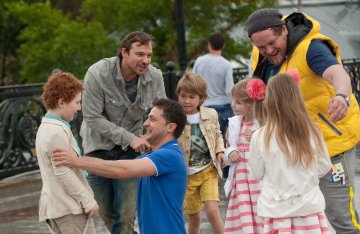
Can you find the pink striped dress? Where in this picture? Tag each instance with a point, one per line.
(241, 212)
(310, 224)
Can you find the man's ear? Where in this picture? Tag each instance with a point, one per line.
(284, 30)
(172, 127)
(124, 53)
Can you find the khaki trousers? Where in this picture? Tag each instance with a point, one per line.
(72, 224)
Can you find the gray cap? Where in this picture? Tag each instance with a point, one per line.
(263, 19)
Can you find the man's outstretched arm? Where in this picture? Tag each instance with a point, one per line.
(116, 169)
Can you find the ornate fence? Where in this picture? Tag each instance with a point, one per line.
(21, 111)
(353, 68)
(20, 114)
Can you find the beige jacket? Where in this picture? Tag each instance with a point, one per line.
(210, 128)
(65, 190)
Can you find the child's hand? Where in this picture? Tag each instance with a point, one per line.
(248, 134)
(220, 158)
(234, 156)
(94, 211)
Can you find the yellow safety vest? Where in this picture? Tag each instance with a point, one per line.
(317, 93)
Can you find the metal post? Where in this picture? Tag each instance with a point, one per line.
(299, 6)
(180, 27)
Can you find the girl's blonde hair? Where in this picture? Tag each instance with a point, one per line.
(289, 120)
(239, 92)
(194, 84)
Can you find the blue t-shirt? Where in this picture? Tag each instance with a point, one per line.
(319, 57)
(160, 198)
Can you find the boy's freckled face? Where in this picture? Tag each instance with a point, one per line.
(190, 102)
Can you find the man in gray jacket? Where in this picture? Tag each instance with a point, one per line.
(118, 93)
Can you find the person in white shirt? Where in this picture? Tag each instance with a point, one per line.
(218, 75)
(289, 155)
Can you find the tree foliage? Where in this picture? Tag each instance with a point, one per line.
(158, 18)
(56, 42)
(39, 36)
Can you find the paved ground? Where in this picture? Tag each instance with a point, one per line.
(18, 206)
(19, 197)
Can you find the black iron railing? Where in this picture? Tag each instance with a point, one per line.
(21, 111)
(20, 117)
(352, 66)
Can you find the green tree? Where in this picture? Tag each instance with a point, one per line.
(38, 36)
(157, 17)
(50, 40)
(47, 40)
(10, 27)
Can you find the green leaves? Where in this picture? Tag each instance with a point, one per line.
(37, 38)
(50, 40)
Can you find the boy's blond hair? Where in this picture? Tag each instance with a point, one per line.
(194, 84)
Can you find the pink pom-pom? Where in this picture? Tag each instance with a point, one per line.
(255, 88)
(294, 74)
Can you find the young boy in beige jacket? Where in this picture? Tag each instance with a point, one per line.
(203, 147)
(67, 202)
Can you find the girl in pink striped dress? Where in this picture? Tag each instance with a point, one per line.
(243, 188)
(289, 155)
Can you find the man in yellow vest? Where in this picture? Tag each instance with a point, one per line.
(294, 42)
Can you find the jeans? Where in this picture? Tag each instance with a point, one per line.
(116, 198)
(224, 112)
(338, 189)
